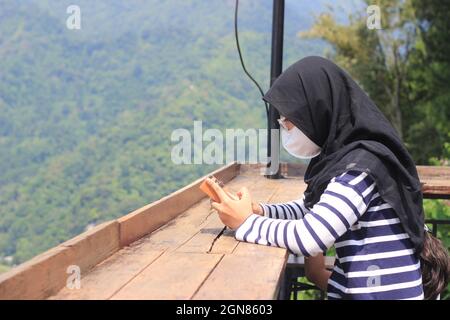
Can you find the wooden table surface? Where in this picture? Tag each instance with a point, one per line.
(194, 256)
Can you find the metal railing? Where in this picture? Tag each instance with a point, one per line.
(435, 223)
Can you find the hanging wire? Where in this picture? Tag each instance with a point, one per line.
(240, 55)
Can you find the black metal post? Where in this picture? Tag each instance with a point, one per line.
(276, 66)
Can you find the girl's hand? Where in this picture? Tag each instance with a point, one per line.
(257, 209)
(233, 211)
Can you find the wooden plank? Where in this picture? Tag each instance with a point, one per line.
(436, 188)
(111, 275)
(243, 277)
(439, 172)
(287, 169)
(204, 239)
(148, 218)
(289, 189)
(177, 275)
(169, 237)
(258, 252)
(251, 249)
(226, 243)
(95, 245)
(179, 230)
(37, 278)
(46, 274)
(435, 181)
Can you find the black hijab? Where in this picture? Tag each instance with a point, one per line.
(326, 104)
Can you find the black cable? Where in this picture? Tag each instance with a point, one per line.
(240, 55)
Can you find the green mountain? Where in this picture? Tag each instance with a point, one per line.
(86, 115)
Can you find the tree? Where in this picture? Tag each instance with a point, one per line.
(377, 59)
(428, 83)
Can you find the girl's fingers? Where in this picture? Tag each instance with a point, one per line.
(231, 195)
(217, 206)
(220, 192)
(244, 193)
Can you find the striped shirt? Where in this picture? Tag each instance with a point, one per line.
(374, 256)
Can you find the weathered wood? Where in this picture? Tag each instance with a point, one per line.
(226, 243)
(440, 172)
(111, 275)
(435, 181)
(37, 278)
(95, 245)
(179, 230)
(196, 231)
(250, 249)
(46, 274)
(286, 169)
(177, 275)
(204, 239)
(243, 277)
(147, 219)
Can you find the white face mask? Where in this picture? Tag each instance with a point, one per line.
(297, 143)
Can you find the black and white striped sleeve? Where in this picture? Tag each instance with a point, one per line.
(292, 210)
(344, 200)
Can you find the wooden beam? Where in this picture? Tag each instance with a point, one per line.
(244, 277)
(149, 218)
(435, 181)
(47, 273)
(111, 275)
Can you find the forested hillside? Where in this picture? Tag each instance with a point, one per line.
(86, 115)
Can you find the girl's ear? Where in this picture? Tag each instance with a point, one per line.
(289, 124)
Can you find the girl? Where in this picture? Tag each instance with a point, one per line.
(363, 193)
